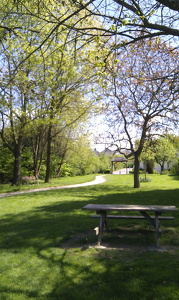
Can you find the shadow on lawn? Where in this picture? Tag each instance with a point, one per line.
(89, 273)
(53, 224)
(115, 275)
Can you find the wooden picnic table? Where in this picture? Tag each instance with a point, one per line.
(144, 213)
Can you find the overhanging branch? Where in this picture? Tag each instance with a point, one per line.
(172, 4)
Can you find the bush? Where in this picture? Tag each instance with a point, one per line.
(144, 179)
(175, 169)
(107, 171)
(66, 170)
(165, 172)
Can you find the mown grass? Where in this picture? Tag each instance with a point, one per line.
(47, 244)
(5, 188)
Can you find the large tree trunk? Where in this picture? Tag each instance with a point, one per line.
(136, 171)
(48, 162)
(17, 165)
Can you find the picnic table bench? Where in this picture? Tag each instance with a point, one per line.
(144, 210)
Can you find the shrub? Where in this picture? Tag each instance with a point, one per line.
(144, 179)
(175, 169)
(107, 171)
(165, 172)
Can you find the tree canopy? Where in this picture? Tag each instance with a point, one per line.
(55, 53)
(132, 20)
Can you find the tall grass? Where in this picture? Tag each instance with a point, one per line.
(47, 244)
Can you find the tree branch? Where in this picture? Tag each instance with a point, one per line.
(172, 4)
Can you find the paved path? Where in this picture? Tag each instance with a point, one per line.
(99, 179)
(122, 171)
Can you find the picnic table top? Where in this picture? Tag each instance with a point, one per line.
(155, 208)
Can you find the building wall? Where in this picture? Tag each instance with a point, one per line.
(157, 168)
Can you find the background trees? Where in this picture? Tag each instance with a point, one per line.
(141, 97)
(164, 152)
(45, 91)
(50, 53)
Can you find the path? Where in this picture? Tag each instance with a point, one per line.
(98, 180)
(122, 171)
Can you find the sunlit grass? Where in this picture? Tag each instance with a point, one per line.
(6, 188)
(47, 244)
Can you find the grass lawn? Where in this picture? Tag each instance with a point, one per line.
(5, 188)
(47, 244)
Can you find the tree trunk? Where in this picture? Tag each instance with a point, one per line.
(60, 167)
(162, 167)
(61, 163)
(145, 168)
(38, 152)
(150, 166)
(17, 165)
(48, 162)
(136, 171)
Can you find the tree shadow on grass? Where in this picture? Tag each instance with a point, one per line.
(51, 224)
(105, 274)
(117, 275)
(87, 272)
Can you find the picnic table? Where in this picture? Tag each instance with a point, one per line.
(152, 213)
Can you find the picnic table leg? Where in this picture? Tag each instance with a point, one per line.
(102, 224)
(100, 229)
(157, 228)
(155, 223)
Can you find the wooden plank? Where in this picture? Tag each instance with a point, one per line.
(132, 217)
(148, 217)
(110, 207)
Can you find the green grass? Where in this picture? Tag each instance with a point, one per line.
(4, 188)
(48, 252)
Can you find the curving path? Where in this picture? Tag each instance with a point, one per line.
(99, 179)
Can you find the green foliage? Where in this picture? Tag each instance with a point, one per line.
(104, 164)
(106, 171)
(164, 151)
(175, 168)
(27, 162)
(50, 83)
(81, 159)
(150, 165)
(6, 164)
(67, 170)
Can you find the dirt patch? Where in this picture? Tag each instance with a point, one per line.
(89, 240)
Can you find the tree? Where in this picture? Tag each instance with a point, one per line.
(6, 163)
(16, 107)
(81, 158)
(165, 152)
(147, 156)
(69, 83)
(141, 102)
(41, 89)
